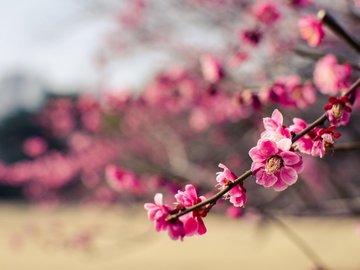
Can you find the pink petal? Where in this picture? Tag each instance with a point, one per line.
(190, 226)
(201, 227)
(257, 155)
(264, 179)
(270, 124)
(290, 158)
(267, 147)
(288, 175)
(278, 117)
(158, 199)
(284, 144)
(279, 186)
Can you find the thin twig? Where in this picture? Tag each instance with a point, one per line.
(297, 240)
(240, 179)
(318, 55)
(330, 21)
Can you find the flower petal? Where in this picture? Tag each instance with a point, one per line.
(288, 175)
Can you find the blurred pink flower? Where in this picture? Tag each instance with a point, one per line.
(311, 29)
(234, 212)
(35, 146)
(122, 180)
(251, 37)
(266, 12)
(211, 68)
(274, 167)
(330, 77)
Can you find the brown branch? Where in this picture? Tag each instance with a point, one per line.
(318, 55)
(240, 179)
(330, 22)
(297, 240)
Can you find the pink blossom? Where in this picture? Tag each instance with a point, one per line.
(211, 68)
(338, 111)
(290, 92)
(251, 37)
(273, 166)
(234, 212)
(158, 212)
(193, 222)
(311, 29)
(122, 180)
(300, 3)
(266, 12)
(276, 131)
(35, 146)
(237, 195)
(324, 141)
(306, 142)
(329, 76)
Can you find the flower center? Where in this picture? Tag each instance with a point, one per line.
(273, 164)
(338, 109)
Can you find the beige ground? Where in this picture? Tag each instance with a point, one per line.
(90, 238)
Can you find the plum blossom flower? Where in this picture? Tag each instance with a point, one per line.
(237, 195)
(158, 212)
(329, 76)
(311, 29)
(211, 68)
(338, 111)
(193, 221)
(276, 131)
(251, 37)
(324, 141)
(306, 142)
(273, 166)
(290, 92)
(300, 3)
(122, 180)
(35, 146)
(266, 12)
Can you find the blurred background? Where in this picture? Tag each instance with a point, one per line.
(105, 103)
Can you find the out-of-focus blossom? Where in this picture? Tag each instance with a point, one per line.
(290, 92)
(273, 166)
(251, 37)
(211, 68)
(237, 195)
(122, 180)
(234, 212)
(266, 12)
(338, 111)
(331, 77)
(35, 146)
(276, 131)
(237, 58)
(311, 29)
(300, 3)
